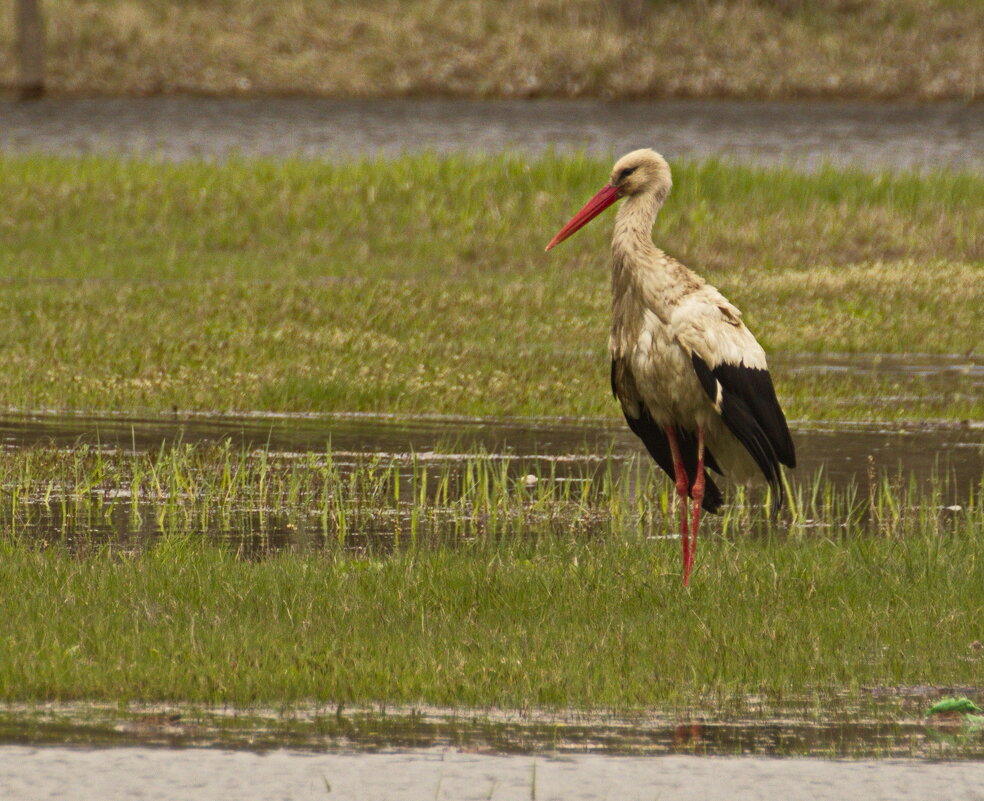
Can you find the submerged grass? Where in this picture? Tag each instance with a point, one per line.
(419, 284)
(85, 495)
(504, 592)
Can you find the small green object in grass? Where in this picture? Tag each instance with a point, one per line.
(962, 705)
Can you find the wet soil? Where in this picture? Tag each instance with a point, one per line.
(884, 722)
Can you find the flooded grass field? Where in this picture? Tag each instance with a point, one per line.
(438, 590)
(449, 562)
(299, 481)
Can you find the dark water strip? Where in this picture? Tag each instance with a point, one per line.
(845, 453)
(891, 135)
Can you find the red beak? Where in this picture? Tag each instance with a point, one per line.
(608, 195)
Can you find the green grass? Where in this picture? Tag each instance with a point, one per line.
(457, 584)
(547, 622)
(420, 284)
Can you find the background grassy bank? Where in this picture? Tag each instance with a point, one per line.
(420, 284)
(879, 49)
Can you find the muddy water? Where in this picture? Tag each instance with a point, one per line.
(884, 722)
(807, 134)
(845, 452)
(948, 459)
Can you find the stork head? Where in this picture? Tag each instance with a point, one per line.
(641, 172)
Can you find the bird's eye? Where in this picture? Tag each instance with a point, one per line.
(623, 174)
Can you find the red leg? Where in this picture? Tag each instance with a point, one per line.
(697, 492)
(682, 488)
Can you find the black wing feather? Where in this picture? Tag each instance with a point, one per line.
(751, 411)
(654, 438)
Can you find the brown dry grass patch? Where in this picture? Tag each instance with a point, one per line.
(884, 49)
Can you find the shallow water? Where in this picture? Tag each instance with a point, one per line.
(883, 722)
(946, 459)
(845, 451)
(932, 372)
(877, 744)
(890, 135)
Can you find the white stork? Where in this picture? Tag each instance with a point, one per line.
(691, 379)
